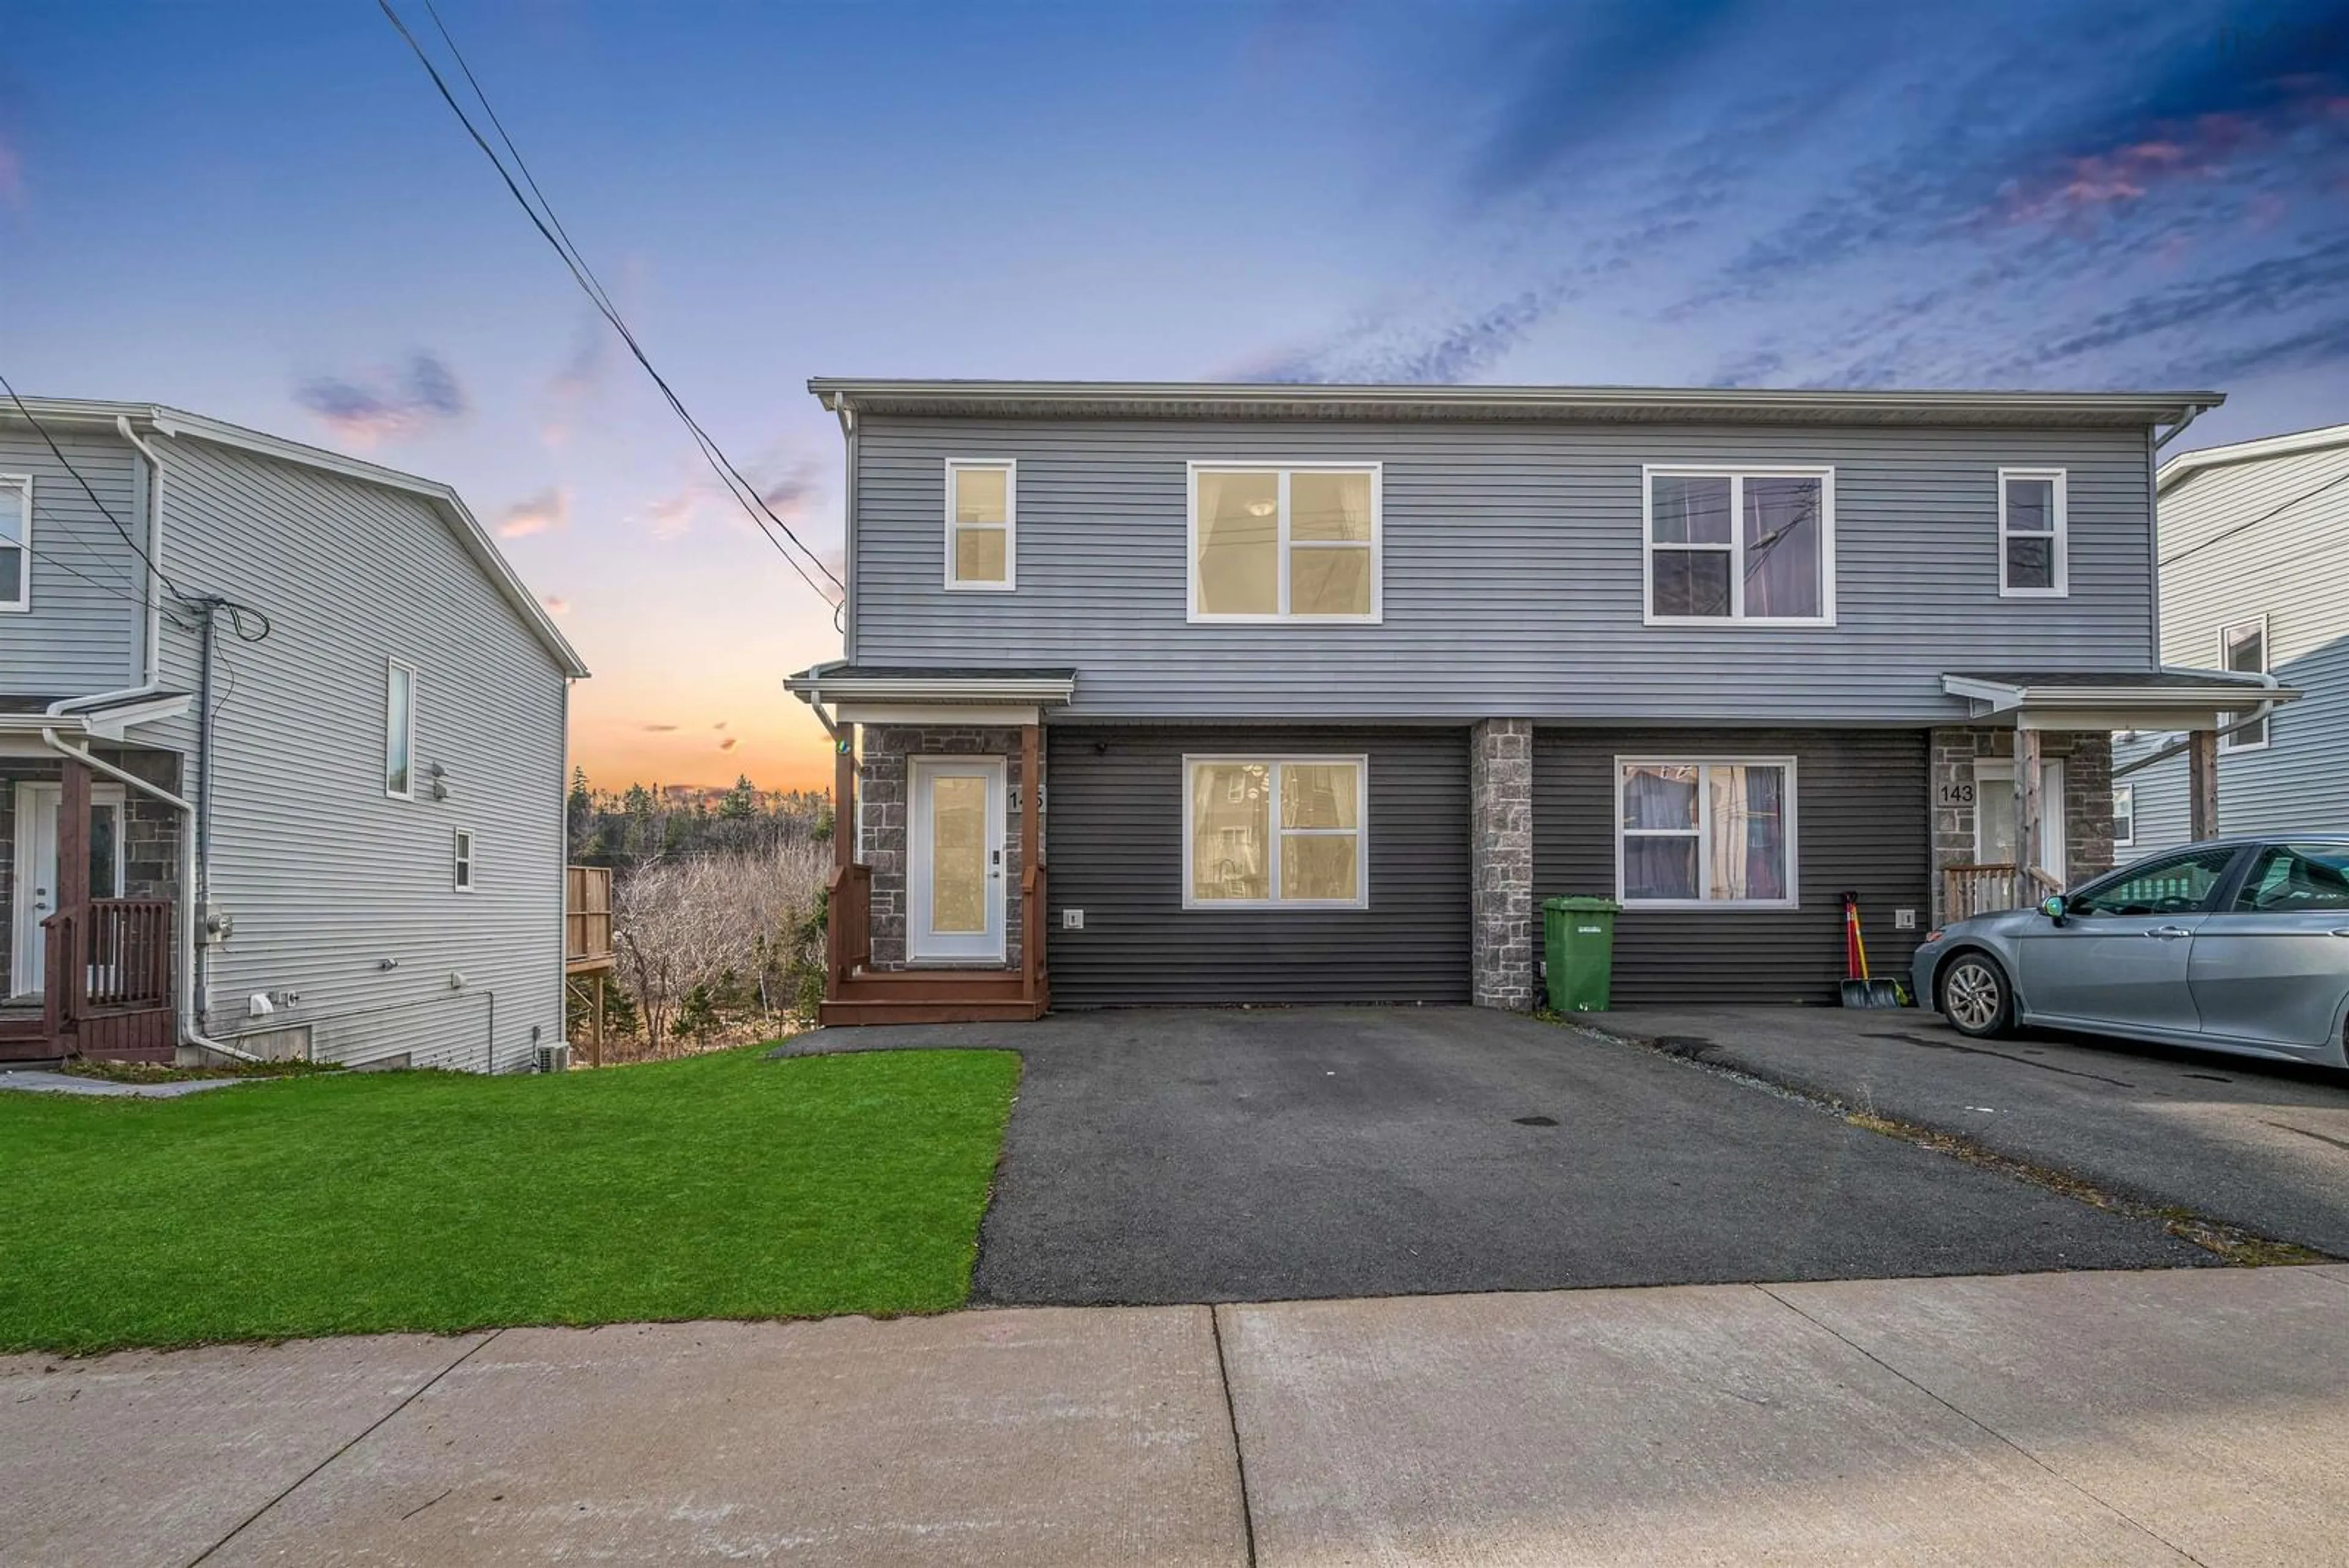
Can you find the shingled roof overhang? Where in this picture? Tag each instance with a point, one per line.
(1630, 405)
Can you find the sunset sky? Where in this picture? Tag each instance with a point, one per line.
(264, 212)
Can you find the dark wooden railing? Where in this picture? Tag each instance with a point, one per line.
(848, 922)
(1031, 935)
(107, 977)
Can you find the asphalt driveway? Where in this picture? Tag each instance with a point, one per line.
(2262, 1145)
(1190, 1154)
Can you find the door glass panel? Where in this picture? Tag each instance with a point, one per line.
(958, 849)
(1994, 816)
(2179, 886)
(2293, 878)
(104, 830)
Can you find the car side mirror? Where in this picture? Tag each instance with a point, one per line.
(2054, 908)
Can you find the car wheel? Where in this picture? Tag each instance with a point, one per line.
(1975, 996)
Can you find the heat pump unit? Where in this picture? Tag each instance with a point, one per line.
(555, 1058)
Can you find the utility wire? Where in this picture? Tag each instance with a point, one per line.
(103, 510)
(2272, 512)
(550, 228)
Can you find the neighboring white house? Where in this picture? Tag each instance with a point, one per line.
(2254, 543)
(320, 728)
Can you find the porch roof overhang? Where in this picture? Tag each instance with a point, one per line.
(914, 694)
(27, 717)
(2167, 698)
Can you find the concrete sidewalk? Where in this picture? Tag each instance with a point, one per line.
(2194, 1415)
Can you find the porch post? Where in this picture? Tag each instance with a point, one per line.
(2202, 782)
(844, 799)
(838, 916)
(73, 842)
(1031, 881)
(2029, 834)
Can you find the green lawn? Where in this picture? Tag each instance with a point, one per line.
(722, 1185)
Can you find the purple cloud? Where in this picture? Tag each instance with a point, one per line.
(380, 405)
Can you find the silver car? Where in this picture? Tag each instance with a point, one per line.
(2234, 944)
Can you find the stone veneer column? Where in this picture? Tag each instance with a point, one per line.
(1501, 862)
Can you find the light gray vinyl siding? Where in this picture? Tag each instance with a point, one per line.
(1116, 801)
(1861, 823)
(2251, 539)
(82, 634)
(1513, 560)
(329, 882)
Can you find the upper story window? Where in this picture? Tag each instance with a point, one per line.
(2243, 649)
(2030, 534)
(1748, 544)
(1285, 541)
(982, 523)
(16, 542)
(399, 730)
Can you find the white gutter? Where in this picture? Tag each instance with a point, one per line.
(2259, 716)
(186, 1000)
(918, 689)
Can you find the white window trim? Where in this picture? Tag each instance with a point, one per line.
(1736, 474)
(2232, 744)
(464, 876)
(1793, 897)
(1010, 467)
(1377, 471)
(410, 793)
(2060, 537)
(21, 483)
(2124, 840)
(1359, 832)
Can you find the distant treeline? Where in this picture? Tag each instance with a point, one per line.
(631, 827)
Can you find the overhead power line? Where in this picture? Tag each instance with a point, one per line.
(541, 215)
(105, 511)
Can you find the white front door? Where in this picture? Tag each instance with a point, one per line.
(1994, 815)
(954, 864)
(36, 869)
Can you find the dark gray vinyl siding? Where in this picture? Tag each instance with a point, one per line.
(1114, 849)
(1861, 823)
(1512, 575)
(85, 630)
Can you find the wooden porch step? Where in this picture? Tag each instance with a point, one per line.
(937, 1010)
(931, 984)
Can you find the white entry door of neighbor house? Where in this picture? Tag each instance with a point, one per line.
(1994, 815)
(36, 869)
(954, 861)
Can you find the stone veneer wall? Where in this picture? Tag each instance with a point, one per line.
(150, 849)
(1501, 862)
(2087, 758)
(883, 823)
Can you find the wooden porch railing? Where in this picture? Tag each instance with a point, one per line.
(1031, 935)
(107, 976)
(848, 923)
(1987, 889)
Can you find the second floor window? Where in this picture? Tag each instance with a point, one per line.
(2030, 528)
(399, 730)
(1292, 542)
(2243, 649)
(16, 542)
(1741, 544)
(981, 513)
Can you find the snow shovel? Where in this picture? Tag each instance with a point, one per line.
(1859, 990)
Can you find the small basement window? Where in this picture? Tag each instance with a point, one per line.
(1705, 834)
(2032, 528)
(1281, 833)
(981, 523)
(15, 541)
(463, 874)
(2243, 649)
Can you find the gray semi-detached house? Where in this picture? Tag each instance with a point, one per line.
(2255, 578)
(370, 871)
(1312, 693)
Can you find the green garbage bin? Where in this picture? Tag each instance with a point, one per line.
(1579, 953)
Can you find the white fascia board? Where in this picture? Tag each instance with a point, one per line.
(452, 507)
(2187, 465)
